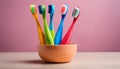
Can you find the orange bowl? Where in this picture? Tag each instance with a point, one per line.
(57, 53)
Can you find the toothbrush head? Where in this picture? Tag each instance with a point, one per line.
(33, 9)
(51, 9)
(64, 9)
(76, 12)
(41, 9)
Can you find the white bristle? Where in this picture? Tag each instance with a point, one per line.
(32, 6)
(75, 15)
(64, 6)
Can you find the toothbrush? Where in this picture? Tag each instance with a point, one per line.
(58, 36)
(67, 37)
(51, 10)
(48, 36)
(33, 10)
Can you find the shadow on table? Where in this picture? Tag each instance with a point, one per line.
(36, 62)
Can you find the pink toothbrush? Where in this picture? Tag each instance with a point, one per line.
(67, 37)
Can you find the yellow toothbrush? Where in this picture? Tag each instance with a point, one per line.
(33, 10)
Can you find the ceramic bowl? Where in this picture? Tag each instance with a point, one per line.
(57, 53)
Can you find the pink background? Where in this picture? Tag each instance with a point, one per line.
(98, 28)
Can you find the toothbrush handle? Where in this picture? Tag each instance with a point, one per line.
(40, 32)
(58, 36)
(48, 36)
(51, 27)
(52, 33)
(67, 37)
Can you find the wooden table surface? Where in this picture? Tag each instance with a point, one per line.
(82, 60)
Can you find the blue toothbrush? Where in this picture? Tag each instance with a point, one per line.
(51, 10)
(58, 36)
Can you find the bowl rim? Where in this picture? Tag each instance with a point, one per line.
(58, 45)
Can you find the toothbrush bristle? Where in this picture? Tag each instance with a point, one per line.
(41, 9)
(51, 9)
(33, 8)
(64, 9)
(76, 12)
